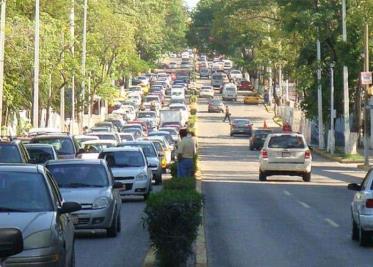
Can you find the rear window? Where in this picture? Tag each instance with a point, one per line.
(62, 145)
(40, 154)
(79, 175)
(119, 159)
(148, 149)
(241, 122)
(9, 154)
(105, 137)
(286, 141)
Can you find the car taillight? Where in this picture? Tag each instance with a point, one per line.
(264, 154)
(307, 154)
(369, 203)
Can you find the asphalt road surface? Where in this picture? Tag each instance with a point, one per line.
(282, 222)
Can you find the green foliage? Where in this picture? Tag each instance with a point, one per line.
(173, 169)
(172, 218)
(180, 184)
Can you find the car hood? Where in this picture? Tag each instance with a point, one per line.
(27, 222)
(124, 172)
(83, 195)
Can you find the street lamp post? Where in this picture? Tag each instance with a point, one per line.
(346, 98)
(366, 98)
(84, 55)
(35, 100)
(332, 112)
(2, 46)
(72, 41)
(319, 93)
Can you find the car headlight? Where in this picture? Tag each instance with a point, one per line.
(141, 176)
(101, 203)
(36, 240)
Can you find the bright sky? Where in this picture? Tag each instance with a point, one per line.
(191, 3)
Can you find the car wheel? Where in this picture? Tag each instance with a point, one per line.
(262, 176)
(355, 231)
(119, 223)
(364, 237)
(112, 231)
(307, 177)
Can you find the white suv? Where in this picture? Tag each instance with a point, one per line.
(130, 167)
(285, 154)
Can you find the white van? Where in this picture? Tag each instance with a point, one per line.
(229, 92)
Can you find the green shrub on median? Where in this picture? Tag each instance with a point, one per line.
(173, 218)
(180, 184)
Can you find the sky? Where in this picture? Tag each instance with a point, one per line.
(191, 3)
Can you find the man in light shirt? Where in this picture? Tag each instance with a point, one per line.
(185, 154)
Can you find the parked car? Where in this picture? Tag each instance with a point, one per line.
(130, 167)
(362, 210)
(258, 138)
(30, 201)
(241, 126)
(285, 154)
(13, 152)
(151, 155)
(216, 105)
(41, 153)
(90, 183)
(62, 143)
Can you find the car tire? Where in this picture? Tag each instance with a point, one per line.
(307, 177)
(364, 237)
(355, 231)
(112, 231)
(262, 176)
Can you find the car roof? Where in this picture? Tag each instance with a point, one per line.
(18, 167)
(39, 145)
(287, 134)
(75, 161)
(92, 142)
(51, 136)
(118, 149)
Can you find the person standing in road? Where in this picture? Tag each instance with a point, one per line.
(185, 153)
(227, 114)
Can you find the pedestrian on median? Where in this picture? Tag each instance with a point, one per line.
(227, 114)
(185, 154)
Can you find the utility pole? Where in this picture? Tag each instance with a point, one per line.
(84, 55)
(319, 92)
(346, 98)
(2, 48)
(35, 102)
(62, 92)
(89, 101)
(332, 113)
(366, 69)
(72, 40)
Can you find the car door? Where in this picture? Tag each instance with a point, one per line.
(64, 223)
(358, 204)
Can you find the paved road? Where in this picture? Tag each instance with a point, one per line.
(282, 222)
(128, 249)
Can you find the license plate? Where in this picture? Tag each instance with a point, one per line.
(286, 154)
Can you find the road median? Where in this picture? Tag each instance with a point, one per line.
(338, 157)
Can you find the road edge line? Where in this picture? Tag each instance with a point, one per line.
(201, 249)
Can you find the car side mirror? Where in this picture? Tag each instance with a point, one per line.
(117, 185)
(354, 187)
(69, 207)
(11, 242)
(310, 148)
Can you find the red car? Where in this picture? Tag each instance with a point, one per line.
(245, 86)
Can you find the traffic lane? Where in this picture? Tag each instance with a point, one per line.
(256, 224)
(128, 249)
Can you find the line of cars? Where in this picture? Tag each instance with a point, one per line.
(52, 183)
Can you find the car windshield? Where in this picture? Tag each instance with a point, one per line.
(62, 145)
(241, 122)
(261, 134)
(146, 115)
(105, 136)
(286, 141)
(124, 159)
(23, 192)
(9, 154)
(40, 155)
(79, 175)
(158, 146)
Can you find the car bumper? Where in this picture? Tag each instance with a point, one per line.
(229, 97)
(366, 222)
(285, 168)
(241, 131)
(156, 172)
(94, 219)
(135, 188)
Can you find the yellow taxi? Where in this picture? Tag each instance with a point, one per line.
(253, 99)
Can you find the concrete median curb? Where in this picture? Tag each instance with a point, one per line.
(339, 159)
(201, 250)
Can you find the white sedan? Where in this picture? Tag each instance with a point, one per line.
(206, 91)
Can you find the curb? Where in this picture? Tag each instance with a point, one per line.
(336, 158)
(201, 251)
(149, 260)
